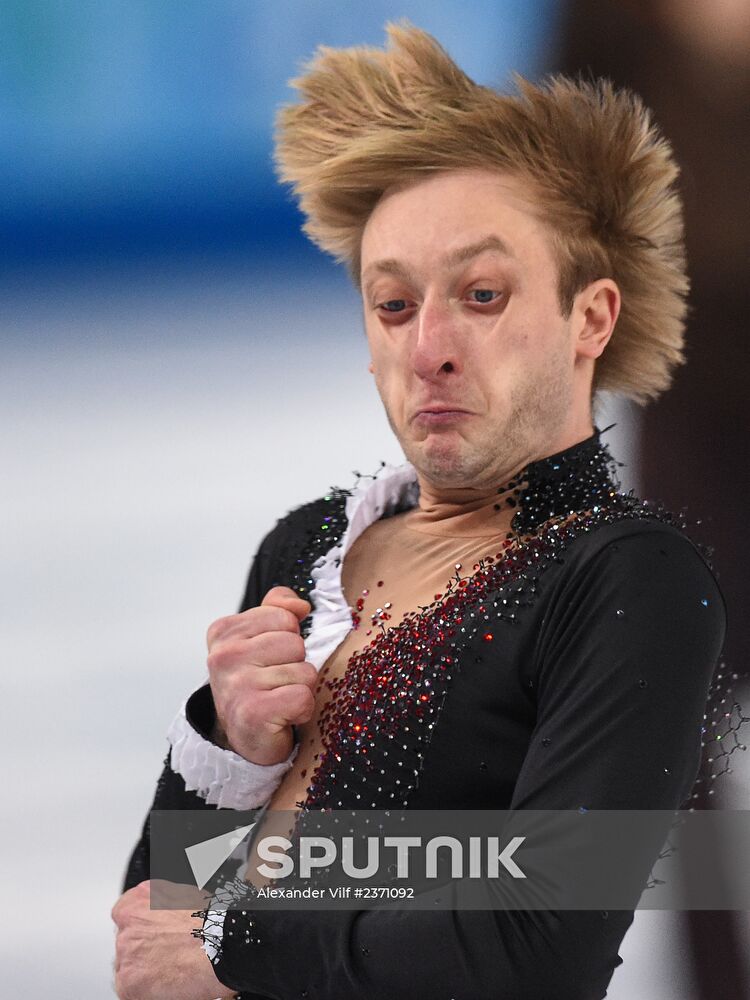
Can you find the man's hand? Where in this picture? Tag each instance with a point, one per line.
(260, 680)
(156, 956)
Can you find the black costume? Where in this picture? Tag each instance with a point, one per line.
(572, 669)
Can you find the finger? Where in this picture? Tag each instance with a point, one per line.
(284, 674)
(131, 896)
(285, 597)
(118, 911)
(264, 650)
(254, 621)
(167, 895)
(292, 705)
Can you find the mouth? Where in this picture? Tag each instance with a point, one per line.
(435, 416)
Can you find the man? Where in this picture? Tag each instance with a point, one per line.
(491, 625)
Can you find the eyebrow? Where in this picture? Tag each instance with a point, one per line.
(460, 255)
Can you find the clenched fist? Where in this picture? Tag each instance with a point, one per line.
(156, 955)
(261, 683)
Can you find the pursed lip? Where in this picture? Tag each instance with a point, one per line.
(437, 408)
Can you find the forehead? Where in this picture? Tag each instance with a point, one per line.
(451, 217)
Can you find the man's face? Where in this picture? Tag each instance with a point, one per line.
(455, 327)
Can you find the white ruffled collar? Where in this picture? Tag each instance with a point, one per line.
(559, 481)
(393, 487)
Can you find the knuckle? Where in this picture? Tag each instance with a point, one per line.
(301, 698)
(289, 645)
(276, 647)
(216, 628)
(214, 661)
(310, 674)
(226, 654)
(285, 620)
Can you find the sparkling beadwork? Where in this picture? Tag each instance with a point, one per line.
(377, 726)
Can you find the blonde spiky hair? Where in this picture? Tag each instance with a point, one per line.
(603, 175)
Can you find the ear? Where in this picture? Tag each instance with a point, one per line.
(595, 313)
(371, 368)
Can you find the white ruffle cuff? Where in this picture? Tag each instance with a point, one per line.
(220, 776)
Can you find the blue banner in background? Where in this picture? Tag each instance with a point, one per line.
(137, 129)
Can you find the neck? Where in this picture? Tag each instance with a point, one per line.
(558, 483)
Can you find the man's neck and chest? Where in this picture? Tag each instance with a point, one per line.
(397, 567)
(466, 666)
(429, 588)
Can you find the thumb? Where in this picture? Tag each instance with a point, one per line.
(285, 597)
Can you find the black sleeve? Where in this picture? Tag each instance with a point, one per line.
(260, 577)
(170, 788)
(624, 663)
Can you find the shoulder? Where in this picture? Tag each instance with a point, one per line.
(636, 531)
(325, 516)
(290, 549)
(314, 527)
(635, 548)
(627, 596)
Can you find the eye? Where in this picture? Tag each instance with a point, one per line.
(393, 305)
(394, 312)
(485, 295)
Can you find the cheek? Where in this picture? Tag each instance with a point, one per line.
(504, 353)
(380, 353)
(529, 343)
(388, 384)
(511, 360)
(387, 362)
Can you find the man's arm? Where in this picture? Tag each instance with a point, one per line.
(624, 664)
(200, 771)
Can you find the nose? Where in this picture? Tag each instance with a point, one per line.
(435, 348)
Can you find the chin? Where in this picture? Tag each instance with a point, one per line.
(445, 462)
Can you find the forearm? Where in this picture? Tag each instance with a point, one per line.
(202, 772)
(379, 953)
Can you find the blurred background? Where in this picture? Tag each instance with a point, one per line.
(180, 368)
